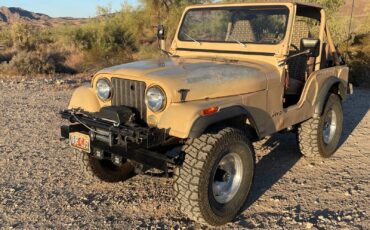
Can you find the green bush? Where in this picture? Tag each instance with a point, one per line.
(107, 37)
(28, 37)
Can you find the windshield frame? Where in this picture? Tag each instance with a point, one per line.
(234, 7)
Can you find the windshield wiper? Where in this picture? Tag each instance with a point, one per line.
(167, 53)
(188, 36)
(237, 41)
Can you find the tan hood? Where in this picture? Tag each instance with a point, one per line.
(201, 77)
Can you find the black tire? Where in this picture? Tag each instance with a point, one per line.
(311, 138)
(104, 170)
(193, 181)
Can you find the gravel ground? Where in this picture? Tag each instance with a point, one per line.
(41, 185)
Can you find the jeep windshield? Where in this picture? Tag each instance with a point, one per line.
(251, 24)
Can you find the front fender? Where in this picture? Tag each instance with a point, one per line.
(84, 98)
(179, 118)
(203, 122)
(183, 120)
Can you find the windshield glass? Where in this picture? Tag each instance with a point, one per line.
(262, 25)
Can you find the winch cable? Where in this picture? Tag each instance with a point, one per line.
(86, 126)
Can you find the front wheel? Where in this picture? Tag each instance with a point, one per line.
(320, 136)
(213, 184)
(104, 170)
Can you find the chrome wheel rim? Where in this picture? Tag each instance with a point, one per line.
(227, 178)
(330, 126)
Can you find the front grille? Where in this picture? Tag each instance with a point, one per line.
(131, 94)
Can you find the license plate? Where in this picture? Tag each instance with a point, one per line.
(80, 141)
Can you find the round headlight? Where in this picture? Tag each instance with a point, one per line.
(155, 99)
(103, 89)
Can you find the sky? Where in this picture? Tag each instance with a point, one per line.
(65, 8)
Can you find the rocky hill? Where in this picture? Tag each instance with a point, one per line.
(11, 15)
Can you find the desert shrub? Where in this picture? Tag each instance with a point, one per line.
(5, 37)
(76, 62)
(6, 56)
(28, 37)
(359, 61)
(38, 62)
(34, 50)
(106, 40)
(141, 22)
(82, 39)
(103, 41)
(111, 37)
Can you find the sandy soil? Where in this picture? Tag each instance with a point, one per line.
(41, 185)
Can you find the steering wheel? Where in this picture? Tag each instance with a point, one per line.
(295, 47)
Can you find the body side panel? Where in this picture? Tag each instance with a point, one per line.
(315, 93)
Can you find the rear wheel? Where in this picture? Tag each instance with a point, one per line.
(104, 170)
(213, 184)
(320, 136)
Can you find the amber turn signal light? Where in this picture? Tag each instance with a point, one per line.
(209, 111)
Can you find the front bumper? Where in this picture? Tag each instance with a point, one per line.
(117, 140)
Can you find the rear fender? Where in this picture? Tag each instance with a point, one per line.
(332, 84)
(319, 86)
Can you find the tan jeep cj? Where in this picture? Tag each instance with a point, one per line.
(234, 74)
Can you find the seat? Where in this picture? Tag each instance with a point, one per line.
(241, 30)
(297, 66)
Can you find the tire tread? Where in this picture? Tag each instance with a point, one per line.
(188, 177)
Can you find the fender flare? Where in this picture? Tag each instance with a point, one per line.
(84, 98)
(324, 94)
(202, 123)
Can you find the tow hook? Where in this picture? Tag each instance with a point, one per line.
(101, 155)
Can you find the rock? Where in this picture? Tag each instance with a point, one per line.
(347, 217)
(308, 225)
(348, 192)
(321, 218)
(59, 82)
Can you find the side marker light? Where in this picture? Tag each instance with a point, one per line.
(209, 111)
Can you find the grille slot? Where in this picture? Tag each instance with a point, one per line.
(131, 94)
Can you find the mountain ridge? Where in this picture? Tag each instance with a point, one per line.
(11, 15)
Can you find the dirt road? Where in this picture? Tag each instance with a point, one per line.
(41, 185)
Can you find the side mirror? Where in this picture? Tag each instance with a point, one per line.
(312, 45)
(160, 32)
(161, 37)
